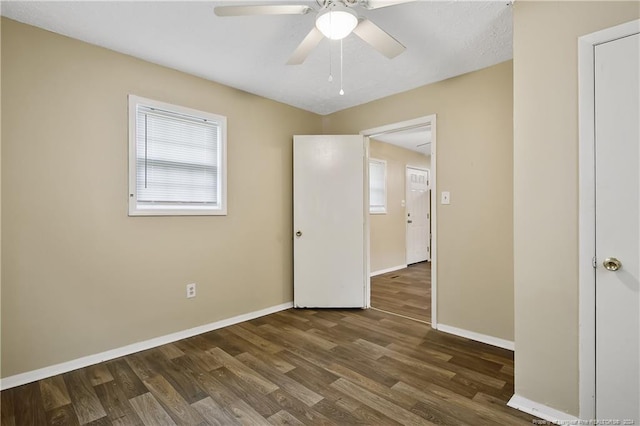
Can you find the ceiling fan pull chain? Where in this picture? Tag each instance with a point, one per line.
(341, 74)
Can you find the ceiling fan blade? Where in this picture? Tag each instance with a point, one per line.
(379, 39)
(261, 10)
(375, 4)
(302, 51)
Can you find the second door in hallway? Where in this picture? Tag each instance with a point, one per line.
(418, 216)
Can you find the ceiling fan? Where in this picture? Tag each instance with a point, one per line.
(335, 19)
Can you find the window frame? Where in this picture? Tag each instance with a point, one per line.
(181, 210)
(383, 209)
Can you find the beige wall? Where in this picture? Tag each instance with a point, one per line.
(388, 237)
(0, 195)
(80, 276)
(474, 163)
(546, 191)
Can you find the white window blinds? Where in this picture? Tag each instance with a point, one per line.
(178, 161)
(377, 186)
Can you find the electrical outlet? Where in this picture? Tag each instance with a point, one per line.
(191, 290)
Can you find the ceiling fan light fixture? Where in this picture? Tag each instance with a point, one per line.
(336, 22)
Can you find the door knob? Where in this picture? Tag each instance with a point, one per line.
(299, 234)
(409, 221)
(612, 264)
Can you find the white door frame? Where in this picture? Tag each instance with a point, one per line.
(587, 219)
(406, 192)
(428, 120)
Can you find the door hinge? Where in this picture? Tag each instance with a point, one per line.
(594, 262)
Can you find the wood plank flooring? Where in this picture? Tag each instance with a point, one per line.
(296, 367)
(404, 292)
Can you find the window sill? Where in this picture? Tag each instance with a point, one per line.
(167, 211)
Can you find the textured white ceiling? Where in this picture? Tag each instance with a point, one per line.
(443, 39)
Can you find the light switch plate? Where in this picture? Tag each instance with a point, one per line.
(445, 197)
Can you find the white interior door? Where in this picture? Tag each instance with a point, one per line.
(418, 220)
(617, 138)
(328, 219)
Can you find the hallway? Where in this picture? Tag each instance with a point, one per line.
(405, 292)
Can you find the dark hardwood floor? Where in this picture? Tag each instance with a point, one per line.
(404, 292)
(314, 367)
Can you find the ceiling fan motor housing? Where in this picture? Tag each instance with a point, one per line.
(350, 3)
(336, 21)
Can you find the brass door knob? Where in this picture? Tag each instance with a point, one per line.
(299, 234)
(612, 264)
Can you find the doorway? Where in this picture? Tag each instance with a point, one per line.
(418, 212)
(609, 223)
(405, 292)
(409, 291)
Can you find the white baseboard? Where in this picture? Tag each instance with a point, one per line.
(490, 340)
(53, 370)
(384, 271)
(539, 410)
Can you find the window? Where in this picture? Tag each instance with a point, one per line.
(177, 160)
(377, 186)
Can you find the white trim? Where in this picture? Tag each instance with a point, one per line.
(383, 209)
(401, 316)
(544, 412)
(402, 125)
(586, 232)
(384, 271)
(53, 370)
(478, 337)
(367, 226)
(179, 210)
(434, 228)
(427, 120)
(587, 220)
